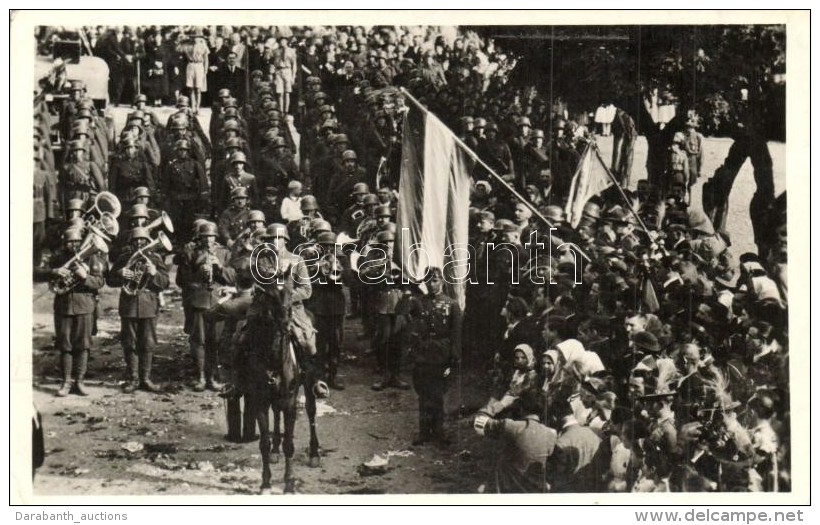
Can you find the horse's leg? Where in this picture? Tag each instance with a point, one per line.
(261, 408)
(310, 408)
(289, 410)
(277, 432)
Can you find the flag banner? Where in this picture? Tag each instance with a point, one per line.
(590, 179)
(434, 202)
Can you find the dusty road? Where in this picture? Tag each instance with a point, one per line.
(112, 443)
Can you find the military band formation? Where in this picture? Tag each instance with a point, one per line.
(666, 368)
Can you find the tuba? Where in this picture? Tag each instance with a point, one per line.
(91, 245)
(103, 215)
(163, 221)
(136, 263)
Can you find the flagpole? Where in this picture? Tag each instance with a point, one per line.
(504, 183)
(621, 191)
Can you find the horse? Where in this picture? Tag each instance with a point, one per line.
(272, 375)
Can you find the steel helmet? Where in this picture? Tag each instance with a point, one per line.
(238, 156)
(349, 154)
(360, 188)
(255, 216)
(138, 210)
(320, 225)
(309, 203)
(554, 213)
(371, 198)
(276, 230)
(207, 229)
(138, 233)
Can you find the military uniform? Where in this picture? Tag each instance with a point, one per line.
(435, 340)
(126, 174)
(81, 179)
(327, 304)
(186, 188)
(74, 318)
(201, 289)
(231, 223)
(45, 207)
(138, 314)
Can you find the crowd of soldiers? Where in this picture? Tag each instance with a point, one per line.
(662, 365)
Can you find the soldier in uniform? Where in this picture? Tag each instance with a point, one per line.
(232, 221)
(270, 205)
(80, 178)
(129, 171)
(355, 213)
(519, 146)
(244, 243)
(239, 177)
(300, 230)
(74, 310)
(327, 304)
(677, 171)
(138, 312)
(693, 145)
(185, 187)
(496, 154)
(436, 348)
(202, 273)
(45, 208)
(142, 195)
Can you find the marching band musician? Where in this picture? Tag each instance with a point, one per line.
(243, 245)
(142, 195)
(138, 311)
(299, 230)
(202, 274)
(74, 309)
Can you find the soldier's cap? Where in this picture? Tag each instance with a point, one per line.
(141, 191)
(524, 121)
(75, 204)
(326, 238)
(233, 142)
(183, 102)
(255, 216)
(207, 229)
(319, 225)
(384, 211)
(76, 145)
(349, 154)
(330, 124)
(360, 188)
(73, 234)
(370, 199)
(467, 120)
(238, 156)
(280, 142)
(240, 192)
(294, 185)
(276, 230)
(225, 93)
(182, 144)
(538, 134)
(484, 184)
(77, 85)
(138, 233)
(505, 225)
(138, 210)
(486, 216)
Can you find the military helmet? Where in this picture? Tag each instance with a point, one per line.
(238, 156)
(141, 191)
(256, 74)
(138, 210)
(371, 199)
(86, 103)
(554, 213)
(592, 210)
(271, 135)
(385, 236)
(524, 121)
(537, 134)
(326, 108)
(179, 122)
(138, 233)
(349, 154)
(231, 103)
(341, 138)
(280, 142)
(319, 225)
(480, 123)
(255, 216)
(327, 237)
(77, 85)
(309, 203)
(183, 102)
(224, 93)
(182, 144)
(233, 142)
(84, 113)
(276, 230)
(75, 205)
(492, 126)
(384, 211)
(230, 112)
(330, 124)
(76, 222)
(230, 125)
(76, 145)
(207, 229)
(140, 98)
(360, 188)
(73, 234)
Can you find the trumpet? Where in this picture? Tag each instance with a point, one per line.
(136, 263)
(104, 213)
(91, 245)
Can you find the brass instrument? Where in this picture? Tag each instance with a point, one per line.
(92, 244)
(163, 221)
(206, 261)
(331, 267)
(136, 263)
(103, 215)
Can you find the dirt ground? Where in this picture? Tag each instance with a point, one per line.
(173, 442)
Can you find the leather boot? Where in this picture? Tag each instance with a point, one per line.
(233, 416)
(81, 363)
(132, 377)
(146, 362)
(65, 363)
(248, 422)
(198, 351)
